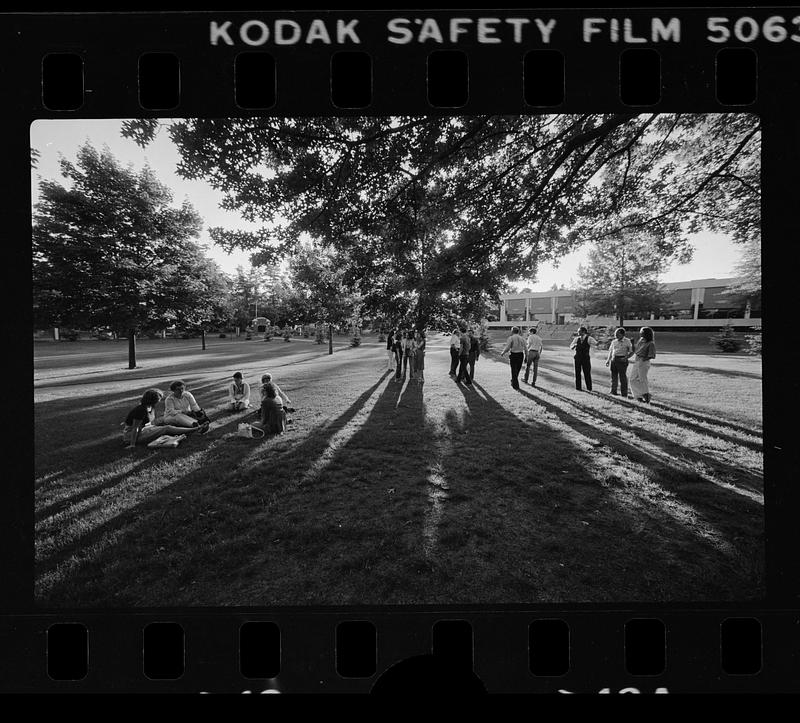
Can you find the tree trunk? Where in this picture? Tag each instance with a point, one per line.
(203, 338)
(131, 348)
(330, 338)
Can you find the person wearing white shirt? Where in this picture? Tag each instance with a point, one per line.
(533, 350)
(515, 345)
(618, 353)
(582, 345)
(178, 404)
(238, 393)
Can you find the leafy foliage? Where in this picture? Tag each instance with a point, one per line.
(432, 215)
(109, 250)
(753, 342)
(622, 274)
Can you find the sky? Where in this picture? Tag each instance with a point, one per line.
(715, 255)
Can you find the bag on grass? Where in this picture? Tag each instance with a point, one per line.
(167, 440)
(249, 431)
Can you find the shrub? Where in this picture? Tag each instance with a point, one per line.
(355, 341)
(223, 336)
(68, 334)
(319, 337)
(753, 342)
(287, 334)
(726, 340)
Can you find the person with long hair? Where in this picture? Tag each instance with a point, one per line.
(273, 413)
(644, 351)
(140, 425)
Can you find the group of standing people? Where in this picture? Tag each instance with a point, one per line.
(465, 350)
(405, 351)
(620, 352)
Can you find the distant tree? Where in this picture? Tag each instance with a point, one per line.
(622, 276)
(110, 250)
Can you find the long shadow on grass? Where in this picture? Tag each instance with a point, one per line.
(152, 524)
(702, 418)
(66, 435)
(747, 478)
(709, 370)
(528, 514)
(723, 507)
(648, 410)
(565, 370)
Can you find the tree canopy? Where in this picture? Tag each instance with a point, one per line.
(449, 209)
(110, 250)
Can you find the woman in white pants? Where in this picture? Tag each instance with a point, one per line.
(644, 351)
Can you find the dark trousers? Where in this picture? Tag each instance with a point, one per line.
(398, 358)
(471, 364)
(516, 358)
(533, 358)
(454, 353)
(619, 370)
(463, 370)
(585, 364)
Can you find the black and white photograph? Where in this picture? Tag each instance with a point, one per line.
(397, 360)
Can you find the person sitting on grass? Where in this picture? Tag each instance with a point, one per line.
(238, 393)
(140, 426)
(273, 413)
(182, 409)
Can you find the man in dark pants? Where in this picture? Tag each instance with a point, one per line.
(463, 358)
(515, 344)
(455, 351)
(582, 345)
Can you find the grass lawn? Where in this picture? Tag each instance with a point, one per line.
(385, 492)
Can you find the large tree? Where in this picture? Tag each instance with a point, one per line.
(111, 250)
(441, 206)
(622, 272)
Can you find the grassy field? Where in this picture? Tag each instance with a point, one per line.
(385, 492)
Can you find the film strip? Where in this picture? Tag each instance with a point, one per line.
(590, 628)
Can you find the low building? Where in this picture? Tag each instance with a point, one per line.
(695, 303)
